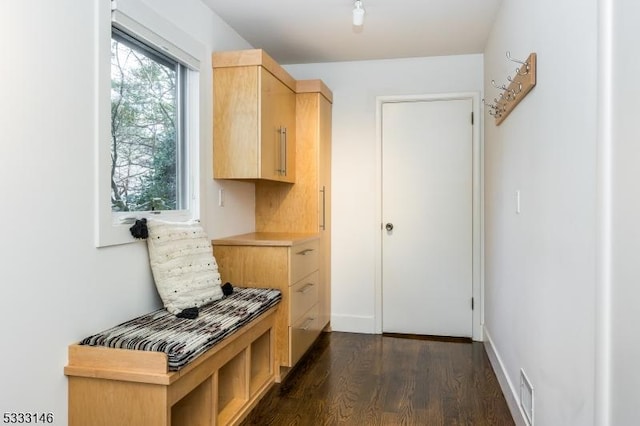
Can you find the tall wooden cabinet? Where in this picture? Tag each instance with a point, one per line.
(254, 119)
(306, 206)
(286, 215)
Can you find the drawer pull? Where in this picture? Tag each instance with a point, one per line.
(307, 323)
(306, 288)
(305, 252)
(323, 226)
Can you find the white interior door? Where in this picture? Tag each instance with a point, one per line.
(427, 197)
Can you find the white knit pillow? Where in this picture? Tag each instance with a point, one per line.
(184, 269)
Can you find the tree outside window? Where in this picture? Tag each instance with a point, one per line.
(145, 127)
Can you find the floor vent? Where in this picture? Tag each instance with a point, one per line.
(526, 397)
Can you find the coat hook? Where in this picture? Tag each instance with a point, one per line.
(484, 102)
(513, 91)
(519, 89)
(493, 83)
(492, 108)
(526, 64)
(514, 60)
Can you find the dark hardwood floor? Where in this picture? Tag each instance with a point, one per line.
(365, 379)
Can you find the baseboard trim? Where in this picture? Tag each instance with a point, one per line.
(510, 392)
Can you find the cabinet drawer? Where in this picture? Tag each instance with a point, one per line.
(303, 333)
(304, 294)
(304, 260)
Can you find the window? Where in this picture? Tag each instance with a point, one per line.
(148, 120)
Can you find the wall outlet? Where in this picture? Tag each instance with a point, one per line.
(526, 397)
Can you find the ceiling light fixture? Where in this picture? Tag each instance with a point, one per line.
(358, 13)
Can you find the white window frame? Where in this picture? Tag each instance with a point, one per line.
(143, 23)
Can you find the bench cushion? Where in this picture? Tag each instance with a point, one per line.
(183, 339)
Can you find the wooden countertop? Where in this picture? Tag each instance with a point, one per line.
(282, 239)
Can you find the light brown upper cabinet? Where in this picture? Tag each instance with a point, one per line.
(254, 117)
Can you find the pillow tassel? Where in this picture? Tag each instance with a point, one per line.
(139, 229)
(227, 289)
(189, 313)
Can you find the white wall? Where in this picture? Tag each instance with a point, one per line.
(540, 279)
(624, 211)
(540, 265)
(355, 86)
(57, 287)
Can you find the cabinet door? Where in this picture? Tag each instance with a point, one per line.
(324, 213)
(235, 123)
(287, 112)
(277, 145)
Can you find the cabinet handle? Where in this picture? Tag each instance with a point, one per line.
(306, 288)
(324, 208)
(284, 152)
(307, 323)
(280, 169)
(304, 252)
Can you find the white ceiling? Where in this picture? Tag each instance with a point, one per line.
(309, 31)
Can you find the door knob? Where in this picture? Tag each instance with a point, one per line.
(389, 226)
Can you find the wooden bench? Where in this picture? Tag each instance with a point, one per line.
(109, 386)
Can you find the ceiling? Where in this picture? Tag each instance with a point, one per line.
(310, 31)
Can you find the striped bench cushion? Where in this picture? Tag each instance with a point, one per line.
(183, 339)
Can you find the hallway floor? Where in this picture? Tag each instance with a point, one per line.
(367, 379)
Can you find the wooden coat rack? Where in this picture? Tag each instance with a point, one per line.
(519, 86)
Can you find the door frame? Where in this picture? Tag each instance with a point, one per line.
(477, 206)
